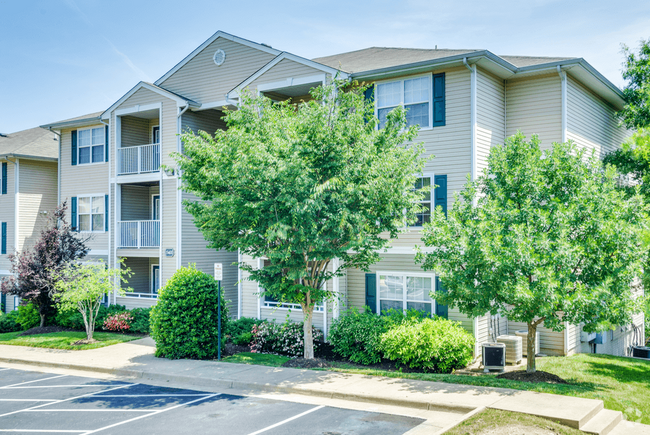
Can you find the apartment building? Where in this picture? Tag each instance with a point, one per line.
(465, 101)
(28, 189)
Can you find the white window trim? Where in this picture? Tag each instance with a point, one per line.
(282, 306)
(404, 275)
(91, 163)
(103, 195)
(430, 75)
(431, 198)
(151, 277)
(153, 138)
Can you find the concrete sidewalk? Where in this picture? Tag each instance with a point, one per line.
(135, 360)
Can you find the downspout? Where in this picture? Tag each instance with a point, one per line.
(472, 70)
(16, 164)
(179, 193)
(563, 80)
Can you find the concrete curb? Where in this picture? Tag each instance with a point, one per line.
(465, 418)
(248, 386)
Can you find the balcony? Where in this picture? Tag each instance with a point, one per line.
(138, 234)
(140, 159)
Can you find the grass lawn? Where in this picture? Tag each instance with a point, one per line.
(621, 383)
(494, 421)
(261, 359)
(64, 340)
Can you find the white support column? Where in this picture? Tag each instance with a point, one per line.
(336, 290)
(563, 79)
(473, 92)
(239, 286)
(259, 296)
(16, 204)
(325, 319)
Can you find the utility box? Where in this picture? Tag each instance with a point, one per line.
(524, 341)
(494, 356)
(642, 352)
(513, 348)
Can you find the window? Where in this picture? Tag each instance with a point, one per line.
(406, 291)
(270, 302)
(424, 184)
(91, 213)
(91, 145)
(414, 94)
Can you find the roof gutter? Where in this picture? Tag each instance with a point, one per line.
(27, 157)
(75, 123)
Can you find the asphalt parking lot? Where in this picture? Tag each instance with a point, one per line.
(34, 402)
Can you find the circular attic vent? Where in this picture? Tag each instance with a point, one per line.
(219, 57)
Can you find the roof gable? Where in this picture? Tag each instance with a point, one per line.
(181, 101)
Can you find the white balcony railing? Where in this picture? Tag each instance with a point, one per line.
(139, 159)
(138, 234)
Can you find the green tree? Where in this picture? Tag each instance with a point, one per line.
(636, 71)
(301, 185)
(543, 237)
(82, 286)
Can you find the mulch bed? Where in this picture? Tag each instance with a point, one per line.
(44, 330)
(538, 376)
(233, 349)
(302, 363)
(84, 341)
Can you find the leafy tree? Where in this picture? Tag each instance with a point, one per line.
(636, 70)
(303, 184)
(81, 287)
(35, 270)
(544, 237)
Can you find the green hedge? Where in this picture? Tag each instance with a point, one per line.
(436, 345)
(184, 322)
(282, 338)
(9, 322)
(28, 316)
(74, 320)
(240, 331)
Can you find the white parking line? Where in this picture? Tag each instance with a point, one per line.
(89, 410)
(2, 370)
(66, 400)
(42, 430)
(273, 426)
(27, 400)
(29, 382)
(150, 395)
(57, 386)
(153, 413)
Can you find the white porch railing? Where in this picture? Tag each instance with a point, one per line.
(139, 159)
(141, 295)
(138, 234)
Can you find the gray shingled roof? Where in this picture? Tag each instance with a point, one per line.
(34, 142)
(384, 57)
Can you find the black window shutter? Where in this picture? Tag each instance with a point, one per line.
(3, 244)
(438, 100)
(4, 178)
(106, 142)
(3, 302)
(371, 291)
(369, 94)
(440, 192)
(73, 214)
(105, 212)
(74, 147)
(441, 310)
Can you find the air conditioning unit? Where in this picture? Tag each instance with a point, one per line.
(524, 341)
(494, 356)
(513, 348)
(641, 352)
(586, 337)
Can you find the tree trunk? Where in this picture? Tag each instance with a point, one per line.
(307, 329)
(42, 320)
(530, 347)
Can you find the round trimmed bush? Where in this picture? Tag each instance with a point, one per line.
(184, 321)
(356, 336)
(436, 345)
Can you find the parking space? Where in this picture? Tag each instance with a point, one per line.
(36, 402)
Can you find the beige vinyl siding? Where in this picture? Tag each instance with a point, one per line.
(195, 250)
(7, 214)
(135, 203)
(591, 122)
(356, 283)
(81, 180)
(168, 207)
(550, 342)
(284, 70)
(135, 131)
(534, 106)
(490, 130)
(206, 120)
(450, 144)
(37, 199)
(203, 81)
(140, 281)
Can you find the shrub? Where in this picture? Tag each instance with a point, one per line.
(74, 320)
(184, 322)
(141, 323)
(120, 322)
(28, 316)
(240, 330)
(356, 336)
(282, 339)
(436, 345)
(8, 322)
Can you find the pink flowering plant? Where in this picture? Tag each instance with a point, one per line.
(120, 322)
(282, 339)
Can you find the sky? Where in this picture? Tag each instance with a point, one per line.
(65, 58)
